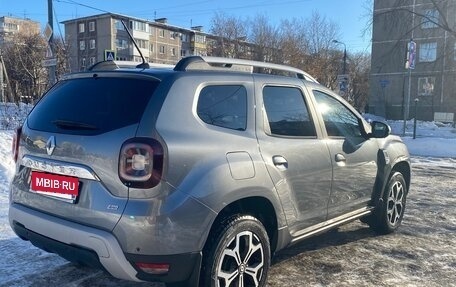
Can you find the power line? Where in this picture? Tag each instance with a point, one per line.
(83, 5)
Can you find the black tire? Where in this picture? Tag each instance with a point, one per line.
(388, 216)
(238, 250)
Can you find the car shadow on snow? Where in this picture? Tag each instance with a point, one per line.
(342, 235)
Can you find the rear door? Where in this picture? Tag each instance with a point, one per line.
(295, 156)
(354, 157)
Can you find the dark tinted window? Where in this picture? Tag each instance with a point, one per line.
(223, 106)
(339, 120)
(287, 112)
(92, 105)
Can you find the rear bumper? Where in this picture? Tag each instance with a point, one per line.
(95, 247)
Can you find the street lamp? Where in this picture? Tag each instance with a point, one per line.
(345, 55)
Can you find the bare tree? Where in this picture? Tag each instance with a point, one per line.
(23, 57)
(265, 38)
(359, 75)
(62, 56)
(231, 33)
(302, 43)
(308, 44)
(293, 43)
(324, 58)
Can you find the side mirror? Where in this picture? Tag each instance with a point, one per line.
(380, 130)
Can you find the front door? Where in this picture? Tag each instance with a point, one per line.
(296, 158)
(354, 157)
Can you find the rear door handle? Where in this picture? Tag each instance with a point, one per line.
(340, 158)
(280, 162)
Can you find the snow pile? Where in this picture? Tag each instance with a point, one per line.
(434, 139)
(12, 115)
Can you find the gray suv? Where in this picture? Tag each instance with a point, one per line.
(195, 175)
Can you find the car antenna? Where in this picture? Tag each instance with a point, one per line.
(144, 64)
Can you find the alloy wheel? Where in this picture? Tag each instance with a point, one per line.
(395, 203)
(242, 261)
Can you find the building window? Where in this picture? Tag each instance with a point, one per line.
(92, 60)
(11, 26)
(143, 44)
(183, 53)
(91, 26)
(83, 62)
(430, 19)
(162, 33)
(426, 86)
(200, 39)
(121, 44)
(428, 52)
(82, 45)
(151, 47)
(162, 49)
(118, 25)
(81, 27)
(140, 26)
(173, 51)
(92, 44)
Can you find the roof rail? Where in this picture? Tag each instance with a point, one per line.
(113, 65)
(230, 64)
(103, 65)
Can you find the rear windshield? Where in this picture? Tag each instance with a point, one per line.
(90, 106)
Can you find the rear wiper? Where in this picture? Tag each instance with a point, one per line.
(71, 125)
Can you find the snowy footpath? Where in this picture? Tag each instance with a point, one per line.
(421, 253)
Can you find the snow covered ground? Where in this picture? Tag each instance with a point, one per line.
(421, 253)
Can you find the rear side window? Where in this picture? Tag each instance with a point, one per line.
(223, 106)
(287, 112)
(90, 106)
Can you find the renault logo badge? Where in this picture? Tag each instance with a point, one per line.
(50, 145)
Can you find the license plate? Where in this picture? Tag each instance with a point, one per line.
(59, 186)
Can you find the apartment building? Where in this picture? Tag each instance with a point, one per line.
(431, 84)
(94, 38)
(11, 25)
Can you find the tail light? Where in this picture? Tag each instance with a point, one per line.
(141, 163)
(154, 268)
(15, 144)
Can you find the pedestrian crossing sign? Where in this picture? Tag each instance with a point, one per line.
(109, 55)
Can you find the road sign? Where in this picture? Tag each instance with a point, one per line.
(411, 55)
(343, 81)
(109, 55)
(48, 32)
(384, 83)
(49, 62)
(49, 53)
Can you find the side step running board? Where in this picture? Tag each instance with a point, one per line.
(329, 224)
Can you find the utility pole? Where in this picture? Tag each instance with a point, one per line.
(345, 60)
(9, 96)
(2, 91)
(50, 54)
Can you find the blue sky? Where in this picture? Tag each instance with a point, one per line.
(349, 15)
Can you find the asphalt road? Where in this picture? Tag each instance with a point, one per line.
(421, 253)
